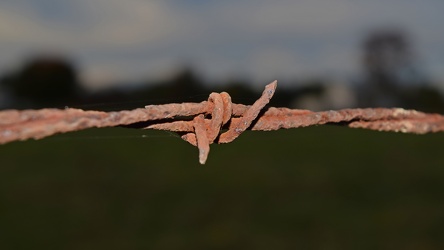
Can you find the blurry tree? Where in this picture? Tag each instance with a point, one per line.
(391, 75)
(184, 86)
(386, 52)
(44, 81)
(185, 83)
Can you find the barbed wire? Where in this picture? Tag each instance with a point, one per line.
(200, 123)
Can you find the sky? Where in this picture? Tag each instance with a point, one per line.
(115, 41)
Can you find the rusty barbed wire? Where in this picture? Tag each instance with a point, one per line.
(200, 123)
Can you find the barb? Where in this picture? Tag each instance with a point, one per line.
(200, 123)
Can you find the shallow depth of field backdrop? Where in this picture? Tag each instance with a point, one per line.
(324, 187)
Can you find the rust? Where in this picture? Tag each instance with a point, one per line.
(201, 123)
(217, 117)
(239, 126)
(203, 142)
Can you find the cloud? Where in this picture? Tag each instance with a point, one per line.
(96, 33)
(114, 39)
(109, 24)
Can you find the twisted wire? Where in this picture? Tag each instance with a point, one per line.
(209, 117)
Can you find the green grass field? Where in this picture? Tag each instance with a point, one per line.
(324, 187)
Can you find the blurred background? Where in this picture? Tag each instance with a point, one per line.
(320, 188)
(325, 54)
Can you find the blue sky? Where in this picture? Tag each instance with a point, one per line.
(261, 40)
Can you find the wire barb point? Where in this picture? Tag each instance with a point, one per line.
(201, 123)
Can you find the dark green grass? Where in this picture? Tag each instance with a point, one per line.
(314, 188)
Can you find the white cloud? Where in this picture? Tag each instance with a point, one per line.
(275, 63)
(110, 24)
(295, 16)
(121, 24)
(103, 28)
(107, 73)
(114, 39)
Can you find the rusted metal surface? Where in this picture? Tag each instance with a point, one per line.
(200, 123)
